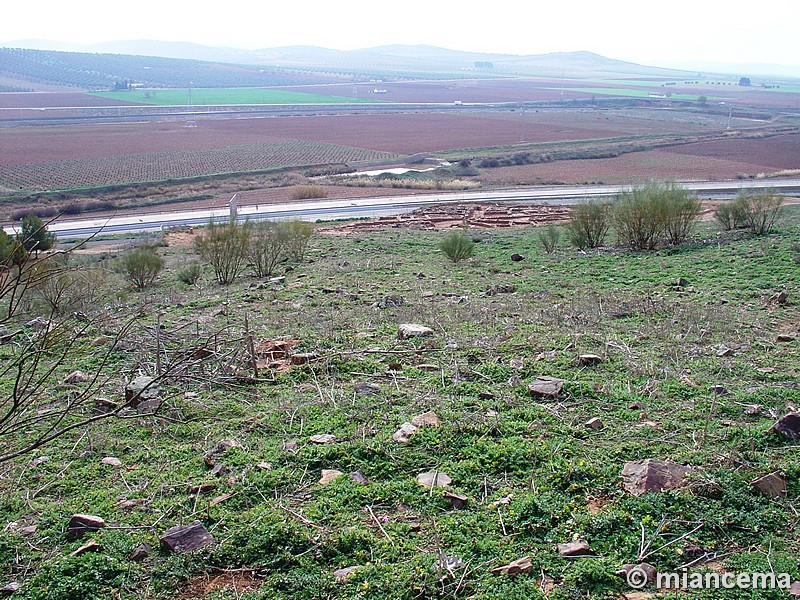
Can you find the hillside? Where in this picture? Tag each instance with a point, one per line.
(167, 64)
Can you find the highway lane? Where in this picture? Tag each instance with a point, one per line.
(351, 208)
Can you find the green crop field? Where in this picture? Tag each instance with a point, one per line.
(632, 93)
(274, 424)
(222, 96)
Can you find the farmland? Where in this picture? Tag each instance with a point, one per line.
(223, 96)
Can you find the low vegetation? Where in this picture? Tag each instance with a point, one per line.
(457, 246)
(275, 408)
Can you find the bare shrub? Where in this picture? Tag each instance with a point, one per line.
(681, 210)
(588, 225)
(224, 247)
(307, 192)
(760, 210)
(63, 288)
(729, 216)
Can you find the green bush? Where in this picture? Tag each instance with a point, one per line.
(190, 274)
(729, 215)
(296, 234)
(457, 246)
(549, 237)
(224, 247)
(141, 266)
(588, 224)
(654, 213)
(268, 246)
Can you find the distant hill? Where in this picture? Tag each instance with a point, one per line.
(175, 64)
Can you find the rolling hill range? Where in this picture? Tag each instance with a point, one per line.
(162, 64)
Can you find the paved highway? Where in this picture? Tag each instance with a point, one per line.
(391, 205)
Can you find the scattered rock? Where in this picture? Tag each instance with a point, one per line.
(434, 479)
(718, 390)
(594, 423)
(28, 530)
(111, 461)
(212, 456)
(426, 419)
(7, 338)
(221, 498)
(141, 389)
(779, 298)
(682, 282)
(546, 387)
(516, 363)
(87, 547)
(359, 477)
(264, 465)
(323, 438)
(302, 358)
(449, 562)
(642, 476)
(785, 338)
(329, 475)
(141, 552)
(411, 330)
(80, 525)
(10, 588)
(486, 396)
(549, 355)
(291, 446)
(517, 257)
(788, 426)
(342, 574)
(794, 589)
(391, 301)
(772, 484)
(185, 538)
(637, 406)
(365, 388)
(754, 410)
(430, 368)
(40, 460)
(589, 360)
(203, 488)
(504, 501)
(405, 433)
(76, 377)
(724, 351)
(576, 548)
(521, 565)
(456, 500)
(38, 323)
(648, 573)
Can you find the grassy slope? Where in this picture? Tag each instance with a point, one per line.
(660, 344)
(217, 96)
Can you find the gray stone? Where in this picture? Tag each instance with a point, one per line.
(772, 485)
(365, 388)
(141, 552)
(141, 389)
(405, 433)
(788, 426)
(407, 331)
(76, 377)
(434, 479)
(521, 565)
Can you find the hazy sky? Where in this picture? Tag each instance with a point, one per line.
(638, 31)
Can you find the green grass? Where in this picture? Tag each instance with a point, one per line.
(659, 342)
(632, 93)
(222, 96)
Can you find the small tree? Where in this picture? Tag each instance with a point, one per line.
(268, 245)
(457, 246)
(588, 224)
(141, 266)
(681, 210)
(639, 216)
(34, 235)
(224, 247)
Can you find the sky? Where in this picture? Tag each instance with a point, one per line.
(636, 31)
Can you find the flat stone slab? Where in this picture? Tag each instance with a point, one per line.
(185, 538)
(434, 479)
(406, 331)
(576, 548)
(772, 485)
(521, 565)
(788, 426)
(546, 387)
